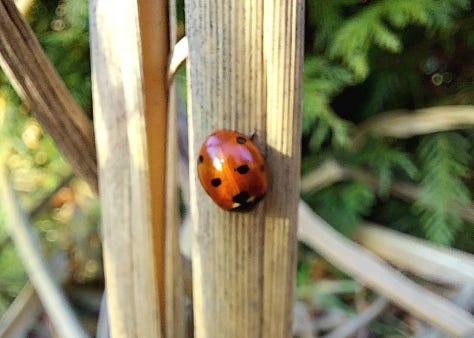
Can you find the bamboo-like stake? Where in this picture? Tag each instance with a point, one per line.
(39, 85)
(174, 292)
(129, 46)
(245, 72)
(154, 44)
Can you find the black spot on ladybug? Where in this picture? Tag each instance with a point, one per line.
(216, 182)
(243, 169)
(241, 197)
(241, 140)
(244, 202)
(262, 167)
(200, 159)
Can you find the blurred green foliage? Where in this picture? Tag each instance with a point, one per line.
(367, 57)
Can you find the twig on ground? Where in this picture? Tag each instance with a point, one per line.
(326, 174)
(302, 324)
(21, 315)
(355, 261)
(404, 123)
(424, 259)
(361, 320)
(27, 243)
(464, 298)
(330, 172)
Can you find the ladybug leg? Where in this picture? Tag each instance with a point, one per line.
(254, 133)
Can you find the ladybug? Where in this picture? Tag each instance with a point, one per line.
(232, 170)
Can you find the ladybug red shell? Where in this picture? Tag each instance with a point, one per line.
(232, 170)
